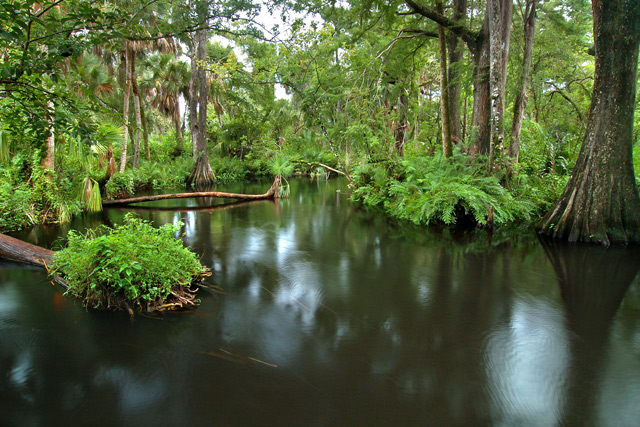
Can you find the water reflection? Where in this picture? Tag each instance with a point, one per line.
(335, 316)
(593, 282)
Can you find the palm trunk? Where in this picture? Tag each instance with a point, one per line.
(136, 107)
(145, 130)
(178, 127)
(125, 108)
(193, 93)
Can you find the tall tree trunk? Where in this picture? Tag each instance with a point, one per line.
(136, 108)
(454, 48)
(447, 149)
(400, 131)
(500, 17)
(145, 131)
(48, 162)
(202, 175)
(178, 127)
(125, 107)
(193, 93)
(529, 26)
(481, 117)
(601, 202)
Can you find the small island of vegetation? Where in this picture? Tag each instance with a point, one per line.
(131, 266)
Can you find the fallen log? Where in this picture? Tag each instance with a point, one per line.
(329, 168)
(272, 193)
(209, 209)
(19, 251)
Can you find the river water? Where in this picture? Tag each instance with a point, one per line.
(333, 315)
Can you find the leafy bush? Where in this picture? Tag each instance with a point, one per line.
(134, 263)
(120, 185)
(229, 169)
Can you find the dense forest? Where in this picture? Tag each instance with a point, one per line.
(451, 112)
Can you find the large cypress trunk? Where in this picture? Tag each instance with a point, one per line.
(202, 175)
(600, 202)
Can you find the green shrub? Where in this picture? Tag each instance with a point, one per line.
(134, 263)
(120, 185)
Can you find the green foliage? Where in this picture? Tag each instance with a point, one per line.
(30, 196)
(280, 164)
(230, 169)
(91, 195)
(429, 190)
(149, 175)
(133, 262)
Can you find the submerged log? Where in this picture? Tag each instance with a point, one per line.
(272, 193)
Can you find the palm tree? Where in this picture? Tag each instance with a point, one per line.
(166, 78)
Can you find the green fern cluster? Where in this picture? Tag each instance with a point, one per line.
(436, 189)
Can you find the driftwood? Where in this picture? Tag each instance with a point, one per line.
(272, 193)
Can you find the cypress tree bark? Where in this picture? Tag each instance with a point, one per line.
(600, 202)
(201, 175)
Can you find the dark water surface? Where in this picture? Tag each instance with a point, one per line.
(334, 316)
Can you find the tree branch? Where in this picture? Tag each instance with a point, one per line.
(459, 30)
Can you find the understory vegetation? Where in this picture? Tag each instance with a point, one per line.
(134, 265)
(436, 189)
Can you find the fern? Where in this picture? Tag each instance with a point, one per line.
(438, 190)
